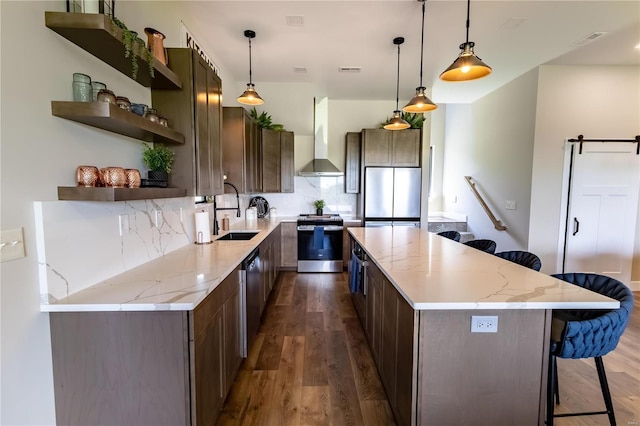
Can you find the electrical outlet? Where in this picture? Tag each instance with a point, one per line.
(510, 205)
(12, 243)
(123, 222)
(484, 324)
(157, 218)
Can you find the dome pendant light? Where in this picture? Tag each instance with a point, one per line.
(420, 102)
(397, 123)
(250, 96)
(467, 66)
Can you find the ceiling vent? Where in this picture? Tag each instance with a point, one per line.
(295, 20)
(300, 70)
(590, 38)
(349, 69)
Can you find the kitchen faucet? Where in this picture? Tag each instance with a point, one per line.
(215, 208)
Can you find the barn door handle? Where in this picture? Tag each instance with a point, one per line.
(576, 226)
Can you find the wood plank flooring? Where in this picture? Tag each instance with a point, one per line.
(311, 365)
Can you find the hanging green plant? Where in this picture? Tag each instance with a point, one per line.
(264, 121)
(416, 120)
(132, 45)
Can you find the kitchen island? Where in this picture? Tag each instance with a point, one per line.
(418, 296)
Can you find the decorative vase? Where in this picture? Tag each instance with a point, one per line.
(87, 176)
(319, 212)
(156, 44)
(133, 178)
(113, 177)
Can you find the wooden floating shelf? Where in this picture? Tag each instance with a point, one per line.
(81, 193)
(97, 34)
(107, 116)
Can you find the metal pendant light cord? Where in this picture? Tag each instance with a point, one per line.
(468, 10)
(250, 81)
(424, 2)
(398, 80)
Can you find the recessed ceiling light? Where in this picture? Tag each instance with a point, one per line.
(512, 23)
(349, 69)
(295, 20)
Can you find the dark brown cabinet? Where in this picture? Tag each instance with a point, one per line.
(143, 368)
(270, 262)
(240, 149)
(255, 159)
(352, 163)
(389, 326)
(289, 252)
(386, 148)
(196, 112)
(277, 165)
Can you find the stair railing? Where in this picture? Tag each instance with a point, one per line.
(496, 223)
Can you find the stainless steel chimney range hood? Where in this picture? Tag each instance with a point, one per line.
(320, 165)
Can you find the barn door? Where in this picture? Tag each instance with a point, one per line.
(602, 210)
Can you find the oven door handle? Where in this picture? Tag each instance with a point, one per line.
(329, 228)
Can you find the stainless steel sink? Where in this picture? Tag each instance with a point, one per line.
(238, 236)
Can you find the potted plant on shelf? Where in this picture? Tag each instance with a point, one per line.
(319, 205)
(159, 160)
(264, 121)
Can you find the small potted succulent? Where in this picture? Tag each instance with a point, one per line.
(319, 205)
(159, 161)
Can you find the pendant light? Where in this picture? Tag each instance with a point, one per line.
(397, 123)
(420, 102)
(467, 66)
(250, 96)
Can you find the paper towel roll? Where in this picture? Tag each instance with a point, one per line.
(203, 228)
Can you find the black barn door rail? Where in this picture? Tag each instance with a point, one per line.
(581, 139)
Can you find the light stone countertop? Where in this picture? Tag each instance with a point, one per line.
(177, 281)
(435, 273)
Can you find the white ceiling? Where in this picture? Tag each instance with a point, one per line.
(360, 33)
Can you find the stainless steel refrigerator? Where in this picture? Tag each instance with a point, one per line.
(392, 196)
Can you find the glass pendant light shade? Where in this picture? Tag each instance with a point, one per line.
(250, 96)
(397, 122)
(467, 66)
(420, 102)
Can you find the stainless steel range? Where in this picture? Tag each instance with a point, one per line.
(320, 243)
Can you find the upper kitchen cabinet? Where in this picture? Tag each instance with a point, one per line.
(241, 149)
(195, 111)
(98, 35)
(277, 161)
(352, 163)
(387, 148)
(255, 159)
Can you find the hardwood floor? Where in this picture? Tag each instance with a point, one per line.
(311, 365)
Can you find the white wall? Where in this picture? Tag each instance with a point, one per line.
(38, 153)
(598, 102)
(492, 141)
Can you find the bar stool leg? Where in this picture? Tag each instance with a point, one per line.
(602, 376)
(550, 389)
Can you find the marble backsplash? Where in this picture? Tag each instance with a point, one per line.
(79, 243)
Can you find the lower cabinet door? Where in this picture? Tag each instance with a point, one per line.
(208, 373)
(232, 336)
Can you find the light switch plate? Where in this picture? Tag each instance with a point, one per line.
(12, 243)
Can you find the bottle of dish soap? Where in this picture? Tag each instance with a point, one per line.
(225, 223)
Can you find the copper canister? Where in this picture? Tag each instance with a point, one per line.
(113, 176)
(133, 178)
(87, 176)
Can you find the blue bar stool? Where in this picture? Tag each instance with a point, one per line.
(488, 246)
(452, 235)
(523, 258)
(587, 334)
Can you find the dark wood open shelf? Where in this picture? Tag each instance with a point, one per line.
(96, 34)
(104, 115)
(81, 193)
